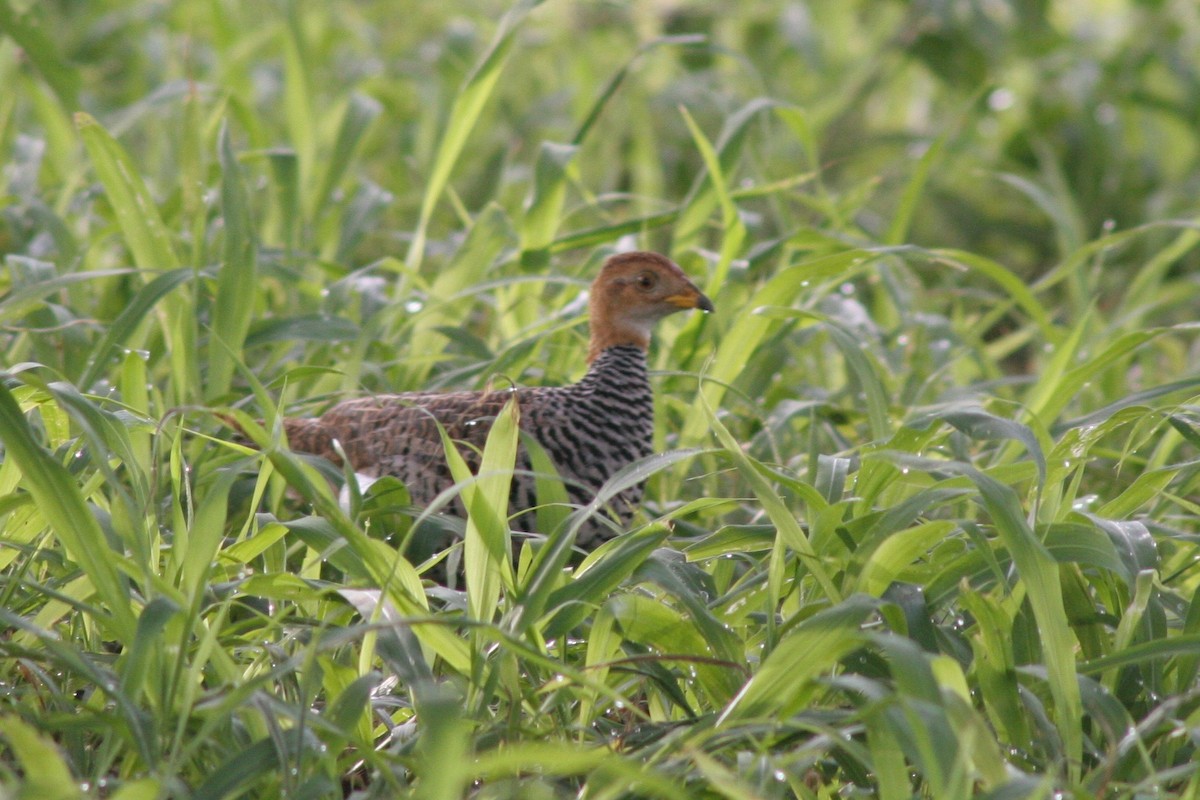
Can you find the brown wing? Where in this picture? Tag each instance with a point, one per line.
(397, 434)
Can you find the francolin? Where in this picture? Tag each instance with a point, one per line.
(591, 429)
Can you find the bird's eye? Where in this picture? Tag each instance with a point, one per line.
(646, 280)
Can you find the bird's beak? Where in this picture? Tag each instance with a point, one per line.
(692, 298)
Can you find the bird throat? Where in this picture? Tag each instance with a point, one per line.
(629, 334)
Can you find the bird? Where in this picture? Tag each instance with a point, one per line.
(590, 429)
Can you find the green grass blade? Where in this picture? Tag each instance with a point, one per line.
(749, 329)
(786, 523)
(888, 562)
(237, 277)
(29, 296)
(137, 213)
(443, 743)
(47, 774)
(149, 242)
(58, 499)
(387, 568)
(448, 296)
(1039, 574)
(487, 558)
(733, 228)
(897, 232)
(464, 114)
(361, 112)
(1056, 390)
(40, 49)
(298, 98)
(783, 683)
(554, 555)
(710, 190)
(1012, 285)
(121, 331)
(543, 210)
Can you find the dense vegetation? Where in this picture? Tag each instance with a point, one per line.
(923, 520)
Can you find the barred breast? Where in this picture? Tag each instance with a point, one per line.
(591, 430)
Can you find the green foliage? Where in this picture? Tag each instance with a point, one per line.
(922, 516)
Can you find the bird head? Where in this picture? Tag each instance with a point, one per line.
(631, 294)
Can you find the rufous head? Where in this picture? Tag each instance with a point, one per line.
(631, 294)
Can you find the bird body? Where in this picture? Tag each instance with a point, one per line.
(590, 430)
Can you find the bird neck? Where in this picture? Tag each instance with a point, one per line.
(607, 336)
(619, 364)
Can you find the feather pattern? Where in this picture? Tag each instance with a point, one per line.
(590, 429)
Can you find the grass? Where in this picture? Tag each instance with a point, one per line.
(922, 517)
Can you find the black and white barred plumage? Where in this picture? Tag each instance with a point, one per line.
(590, 430)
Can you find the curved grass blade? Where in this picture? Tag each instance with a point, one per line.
(734, 230)
(605, 570)
(386, 567)
(980, 424)
(749, 330)
(543, 210)
(137, 213)
(123, 327)
(58, 499)
(487, 559)
(47, 775)
(1039, 574)
(237, 276)
(149, 242)
(550, 560)
(783, 682)
(464, 113)
(28, 296)
(897, 232)
(1012, 286)
(790, 531)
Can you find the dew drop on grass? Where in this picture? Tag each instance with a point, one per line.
(413, 306)
(144, 355)
(780, 776)
(1085, 502)
(1001, 99)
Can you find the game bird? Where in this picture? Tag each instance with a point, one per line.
(590, 429)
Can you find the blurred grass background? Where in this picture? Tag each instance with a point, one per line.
(922, 521)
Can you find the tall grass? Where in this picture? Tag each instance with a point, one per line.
(921, 517)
